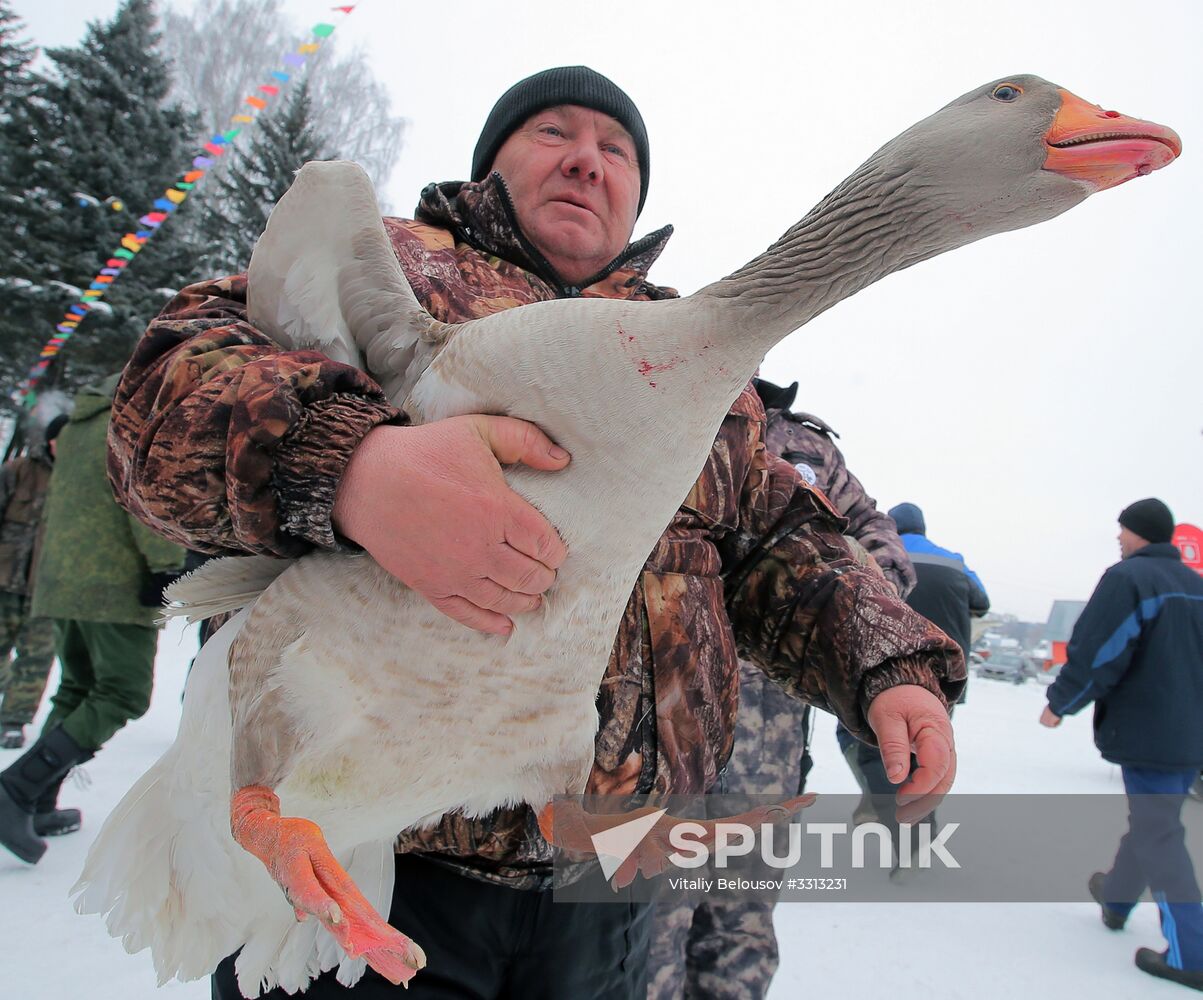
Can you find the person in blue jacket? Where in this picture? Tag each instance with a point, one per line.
(948, 593)
(1137, 653)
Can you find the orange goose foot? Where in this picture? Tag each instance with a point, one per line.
(296, 856)
(566, 824)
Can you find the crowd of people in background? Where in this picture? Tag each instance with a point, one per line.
(81, 578)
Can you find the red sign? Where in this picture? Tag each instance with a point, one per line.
(1189, 540)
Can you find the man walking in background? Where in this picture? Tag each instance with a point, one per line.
(946, 592)
(100, 578)
(24, 482)
(1137, 653)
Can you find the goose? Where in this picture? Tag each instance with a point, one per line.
(337, 707)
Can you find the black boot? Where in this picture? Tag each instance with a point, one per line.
(51, 821)
(1112, 920)
(42, 766)
(1156, 964)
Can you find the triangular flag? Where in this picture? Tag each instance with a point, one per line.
(345, 10)
(193, 176)
(177, 196)
(292, 59)
(146, 220)
(269, 88)
(210, 147)
(127, 254)
(243, 118)
(323, 30)
(308, 48)
(115, 262)
(202, 162)
(130, 243)
(231, 135)
(256, 102)
(279, 74)
(184, 186)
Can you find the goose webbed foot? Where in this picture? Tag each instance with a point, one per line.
(297, 858)
(567, 825)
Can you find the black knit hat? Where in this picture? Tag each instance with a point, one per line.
(908, 518)
(1149, 518)
(562, 85)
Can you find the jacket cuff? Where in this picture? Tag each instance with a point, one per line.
(909, 670)
(312, 458)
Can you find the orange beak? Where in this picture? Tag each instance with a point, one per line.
(1105, 148)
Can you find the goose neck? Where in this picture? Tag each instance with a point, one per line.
(877, 221)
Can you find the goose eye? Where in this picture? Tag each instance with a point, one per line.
(1006, 92)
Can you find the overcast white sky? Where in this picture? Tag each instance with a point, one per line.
(1022, 390)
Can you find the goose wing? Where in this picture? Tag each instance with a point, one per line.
(324, 277)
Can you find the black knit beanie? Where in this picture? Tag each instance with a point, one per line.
(908, 517)
(1149, 518)
(562, 85)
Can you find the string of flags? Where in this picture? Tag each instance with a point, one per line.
(132, 243)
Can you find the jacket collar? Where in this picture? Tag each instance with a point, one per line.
(481, 214)
(1158, 550)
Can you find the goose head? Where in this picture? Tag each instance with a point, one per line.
(1006, 155)
(1015, 152)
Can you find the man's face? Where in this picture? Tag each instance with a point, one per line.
(1129, 542)
(574, 179)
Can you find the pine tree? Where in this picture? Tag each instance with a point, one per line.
(98, 124)
(236, 213)
(15, 57)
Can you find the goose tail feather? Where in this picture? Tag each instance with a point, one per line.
(222, 585)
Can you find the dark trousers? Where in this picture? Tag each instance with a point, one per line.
(1152, 855)
(489, 942)
(108, 672)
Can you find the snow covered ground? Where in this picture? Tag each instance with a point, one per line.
(901, 951)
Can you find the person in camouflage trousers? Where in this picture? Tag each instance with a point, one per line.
(24, 482)
(100, 575)
(723, 945)
(230, 444)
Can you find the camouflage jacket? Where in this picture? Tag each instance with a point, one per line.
(24, 482)
(803, 439)
(229, 443)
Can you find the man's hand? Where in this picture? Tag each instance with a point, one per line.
(906, 718)
(1048, 718)
(430, 505)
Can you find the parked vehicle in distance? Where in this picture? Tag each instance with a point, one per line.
(1006, 665)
